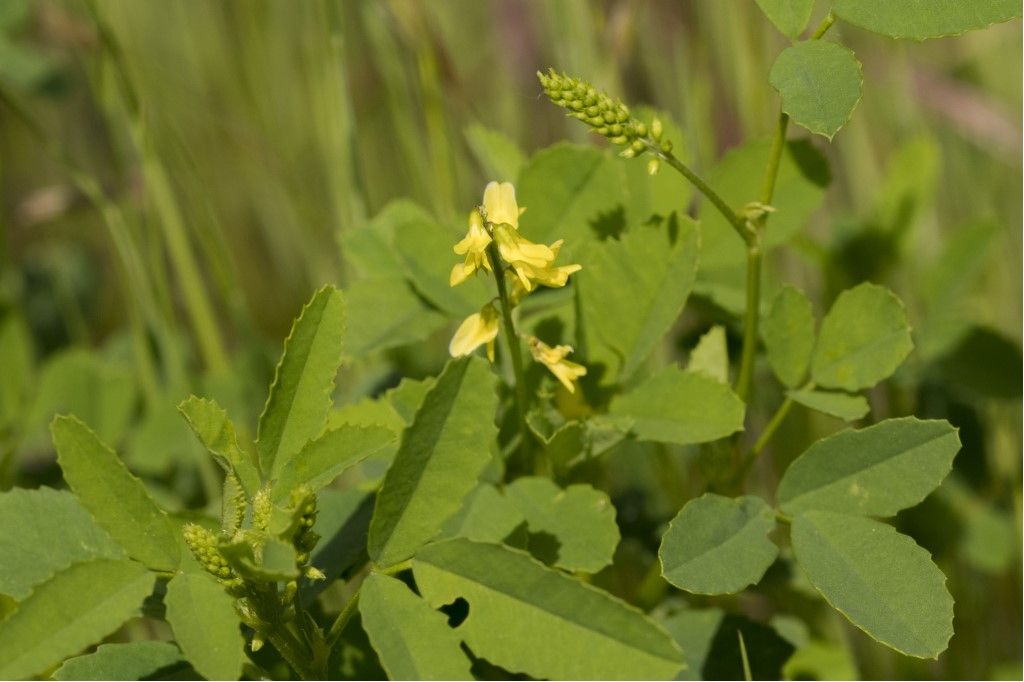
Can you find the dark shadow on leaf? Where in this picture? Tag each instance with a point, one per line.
(457, 612)
(609, 224)
(542, 546)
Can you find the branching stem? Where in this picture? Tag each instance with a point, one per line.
(734, 220)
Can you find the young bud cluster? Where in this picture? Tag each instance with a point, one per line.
(203, 545)
(304, 539)
(605, 115)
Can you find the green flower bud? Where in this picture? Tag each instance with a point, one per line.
(638, 146)
(653, 164)
(656, 129)
(262, 510)
(606, 116)
(203, 545)
(313, 573)
(666, 146)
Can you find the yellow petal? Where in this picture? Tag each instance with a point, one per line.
(475, 331)
(459, 274)
(500, 204)
(554, 359)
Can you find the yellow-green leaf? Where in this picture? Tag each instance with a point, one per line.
(674, 406)
(77, 607)
(414, 641)
(529, 618)
(438, 462)
(300, 396)
(205, 625)
(116, 499)
(922, 20)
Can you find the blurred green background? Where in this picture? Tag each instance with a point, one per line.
(177, 177)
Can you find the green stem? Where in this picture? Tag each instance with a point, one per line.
(769, 430)
(515, 350)
(750, 320)
(343, 618)
(730, 215)
(755, 256)
(292, 651)
(753, 233)
(824, 26)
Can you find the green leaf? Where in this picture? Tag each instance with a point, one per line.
(77, 607)
(44, 531)
(486, 516)
(711, 355)
(409, 318)
(205, 625)
(564, 188)
(116, 499)
(919, 21)
(301, 393)
(680, 407)
(438, 462)
(875, 471)
(863, 339)
(130, 661)
(820, 84)
(499, 155)
(413, 641)
(579, 518)
(370, 250)
(8, 605)
(788, 335)
(694, 631)
(879, 579)
(632, 290)
(324, 459)
(425, 249)
(718, 545)
(818, 660)
(214, 429)
(847, 407)
(519, 608)
(789, 16)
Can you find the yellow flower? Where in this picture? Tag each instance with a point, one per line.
(554, 359)
(476, 330)
(552, 276)
(500, 204)
(474, 248)
(532, 263)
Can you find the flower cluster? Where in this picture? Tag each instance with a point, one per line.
(493, 243)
